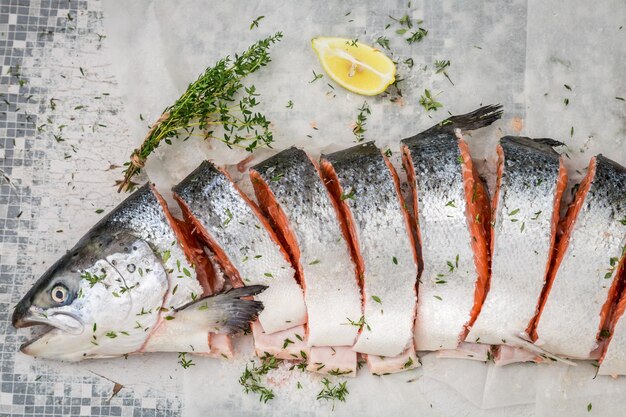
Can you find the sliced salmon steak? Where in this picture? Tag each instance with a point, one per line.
(290, 191)
(451, 214)
(208, 275)
(582, 287)
(244, 243)
(366, 187)
(530, 182)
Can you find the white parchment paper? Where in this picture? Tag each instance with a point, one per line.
(517, 53)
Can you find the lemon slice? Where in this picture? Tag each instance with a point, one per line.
(354, 65)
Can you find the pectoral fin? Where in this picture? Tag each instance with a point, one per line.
(226, 312)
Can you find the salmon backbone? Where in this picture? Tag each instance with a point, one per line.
(342, 261)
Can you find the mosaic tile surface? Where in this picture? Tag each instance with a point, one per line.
(55, 98)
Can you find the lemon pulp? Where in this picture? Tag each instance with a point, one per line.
(355, 66)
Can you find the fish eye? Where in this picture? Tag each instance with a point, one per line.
(59, 293)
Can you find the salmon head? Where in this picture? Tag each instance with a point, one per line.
(126, 280)
(99, 300)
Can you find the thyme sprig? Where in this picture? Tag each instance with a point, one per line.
(361, 119)
(251, 380)
(330, 392)
(210, 102)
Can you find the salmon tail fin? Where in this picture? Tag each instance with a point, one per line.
(481, 117)
(226, 312)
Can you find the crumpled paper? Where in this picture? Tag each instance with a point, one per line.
(517, 53)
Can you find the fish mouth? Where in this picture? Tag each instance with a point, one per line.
(44, 324)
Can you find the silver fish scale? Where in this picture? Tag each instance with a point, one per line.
(445, 294)
(570, 320)
(331, 292)
(522, 226)
(233, 225)
(142, 216)
(390, 270)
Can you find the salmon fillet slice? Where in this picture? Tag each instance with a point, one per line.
(290, 191)
(452, 235)
(451, 210)
(384, 365)
(245, 246)
(582, 286)
(530, 182)
(220, 345)
(366, 187)
(287, 344)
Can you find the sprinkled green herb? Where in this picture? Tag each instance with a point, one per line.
(169, 317)
(409, 62)
(566, 101)
(394, 260)
(111, 335)
(350, 195)
(166, 255)
(408, 363)
(182, 359)
(339, 372)
(316, 77)
(255, 22)
(623, 221)
(377, 299)
(428, 101)
(589, 406)
(450, 204)
(440, 68)
(568, 87)
(353, 42)
(315, 262)
(208, 102)
(92, 279)
(99, 211)
(383, 41)
(417, 36)
(333, 392)
(229, 215)
(251, 379)
(360, 323)
(287, 342)
(361, 119)
(267, 274)
(437, 297)
(277, 177)
(289, 104)
(536, 216)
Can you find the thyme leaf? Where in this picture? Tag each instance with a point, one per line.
(210, 102)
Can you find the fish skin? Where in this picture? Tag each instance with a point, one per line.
(525, 223)
(244, 243)
(318, 244)
(583, 279)
(440, 171)
(118, 314)
(382, 238)
(442, 309)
